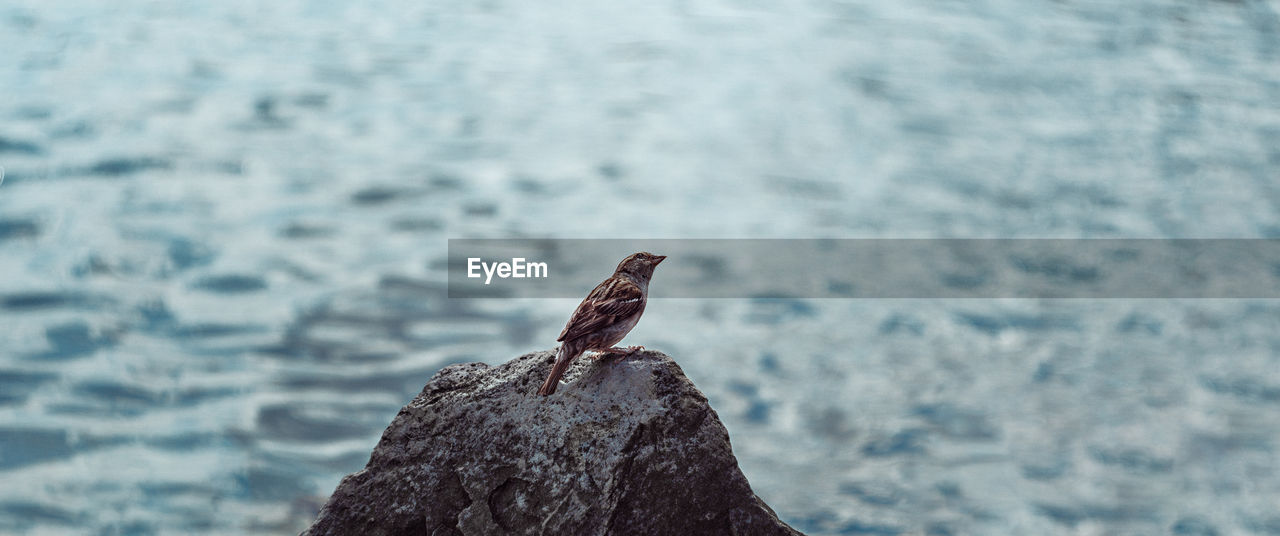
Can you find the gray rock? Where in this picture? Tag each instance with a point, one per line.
(628, 447)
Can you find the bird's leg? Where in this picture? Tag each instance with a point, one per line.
(620, 351)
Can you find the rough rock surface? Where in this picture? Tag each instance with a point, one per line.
(628, 447)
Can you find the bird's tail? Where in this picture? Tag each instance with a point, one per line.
(564, 356)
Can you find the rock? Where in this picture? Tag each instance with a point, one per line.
(630, 446)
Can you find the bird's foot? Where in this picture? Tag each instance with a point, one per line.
(615, 351)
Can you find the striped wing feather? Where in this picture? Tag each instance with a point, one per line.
(610, 301)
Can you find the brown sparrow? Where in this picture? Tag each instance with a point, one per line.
(606, 315)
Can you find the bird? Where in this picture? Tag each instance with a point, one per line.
(605, 316)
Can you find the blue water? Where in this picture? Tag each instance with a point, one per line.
(223, 225)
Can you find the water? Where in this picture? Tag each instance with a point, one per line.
(222, 234)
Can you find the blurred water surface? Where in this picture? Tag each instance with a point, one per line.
(223, 231)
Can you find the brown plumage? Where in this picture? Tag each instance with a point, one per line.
(606, 315)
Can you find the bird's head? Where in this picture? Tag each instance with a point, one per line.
(640, 265)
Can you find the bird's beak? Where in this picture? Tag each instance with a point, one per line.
(658, 259)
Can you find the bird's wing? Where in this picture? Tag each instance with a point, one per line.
(613, 299)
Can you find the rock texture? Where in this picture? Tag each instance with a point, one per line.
(628, 447)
